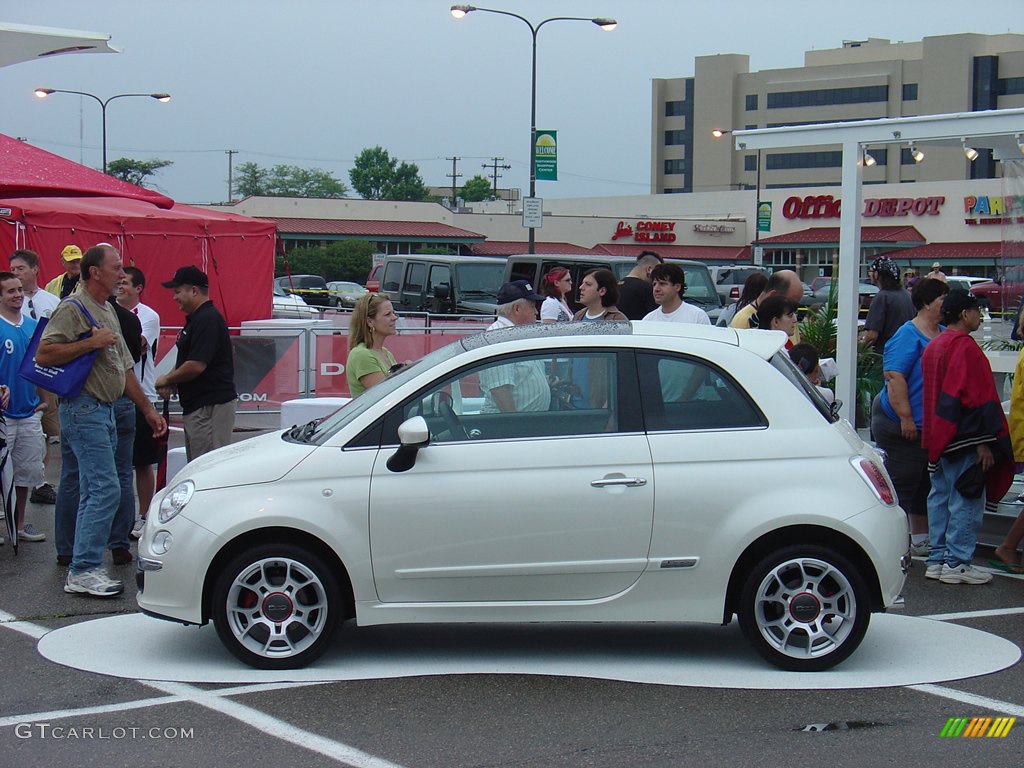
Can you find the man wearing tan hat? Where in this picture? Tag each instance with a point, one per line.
(937, 273)
(63, 285)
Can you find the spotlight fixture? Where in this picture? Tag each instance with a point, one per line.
(719, 133)
(970, 152)
(916, 153)
(869, 160)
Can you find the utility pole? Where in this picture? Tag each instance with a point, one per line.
(454, 175)
(493, 166)
(231, 186)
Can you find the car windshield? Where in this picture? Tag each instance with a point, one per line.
(480, 279)
(699, 288)
(326, 428)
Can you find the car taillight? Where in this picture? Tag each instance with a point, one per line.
(876, 478)
(734, 292)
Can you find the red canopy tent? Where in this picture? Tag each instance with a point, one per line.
(48, 202)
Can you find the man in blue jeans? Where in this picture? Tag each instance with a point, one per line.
(967, 440)
(88, 420)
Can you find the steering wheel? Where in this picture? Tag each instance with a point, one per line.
(458, 432)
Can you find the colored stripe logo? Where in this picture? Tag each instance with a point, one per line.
(977, 727)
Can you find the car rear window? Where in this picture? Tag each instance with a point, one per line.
(788, 369)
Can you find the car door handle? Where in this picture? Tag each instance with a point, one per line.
(631, 482)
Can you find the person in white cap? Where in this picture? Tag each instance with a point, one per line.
(937, 273)
(62, 285)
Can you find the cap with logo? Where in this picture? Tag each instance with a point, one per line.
(956, 303)
(517, 289)
(71, 253)
(188, 276)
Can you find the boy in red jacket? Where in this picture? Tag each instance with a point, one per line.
(967, 439)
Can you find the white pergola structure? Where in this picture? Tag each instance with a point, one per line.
(1000, 130)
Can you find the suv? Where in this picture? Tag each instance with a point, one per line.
(1001, 295)
(700, 289)
(729, 280)
(454, 285)
(311, 288)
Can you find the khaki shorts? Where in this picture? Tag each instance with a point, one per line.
(51, 422)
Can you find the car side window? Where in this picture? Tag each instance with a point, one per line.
(392, 276)
(552, 394)
(684, 393)
(439, 275)
(414, 278)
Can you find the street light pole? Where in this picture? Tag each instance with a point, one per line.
(460, 11)
(42, 93)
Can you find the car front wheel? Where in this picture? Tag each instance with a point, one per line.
(804, 608)
(276, 606)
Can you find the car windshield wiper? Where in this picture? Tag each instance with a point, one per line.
(304, 431)
(698, 299)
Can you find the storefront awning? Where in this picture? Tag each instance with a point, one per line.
(734, 254)
(830, 236)
(950, 254)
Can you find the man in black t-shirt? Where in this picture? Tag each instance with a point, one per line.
(204, 372)
(636, 296)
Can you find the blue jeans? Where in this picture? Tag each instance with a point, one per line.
(124, 518)
(953, 521)
(88, 434)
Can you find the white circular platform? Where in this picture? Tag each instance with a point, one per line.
(898, 650)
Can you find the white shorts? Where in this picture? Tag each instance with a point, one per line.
(26, 443)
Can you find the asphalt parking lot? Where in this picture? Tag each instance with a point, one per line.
(51, 714)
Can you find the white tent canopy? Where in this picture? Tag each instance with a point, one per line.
(21, 42)
(1001, 130)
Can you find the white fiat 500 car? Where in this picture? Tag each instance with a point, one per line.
(550, 473)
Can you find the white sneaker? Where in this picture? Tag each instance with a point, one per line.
(29, 533)
(965, 573)
(137, 528)
(921, 550)
(94, 582)
(933, 571)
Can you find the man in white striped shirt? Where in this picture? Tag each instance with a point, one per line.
(520, 386)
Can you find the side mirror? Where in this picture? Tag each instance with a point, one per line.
(413, 434)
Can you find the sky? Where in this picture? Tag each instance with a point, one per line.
(313, 82)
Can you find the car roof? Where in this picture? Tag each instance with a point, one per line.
(764, 344)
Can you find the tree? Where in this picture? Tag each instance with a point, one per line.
(343, 260)
(251, 180)
(287, 181)
(135, 171)
(406, 184)
(376, 175)
(372, 170)
(476, 189)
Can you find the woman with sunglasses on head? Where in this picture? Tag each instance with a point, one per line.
(556, 285)
(372, 321)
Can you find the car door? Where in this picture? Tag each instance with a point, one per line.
(537, 504)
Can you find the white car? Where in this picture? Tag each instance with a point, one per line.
(598, 499)
(292, 306)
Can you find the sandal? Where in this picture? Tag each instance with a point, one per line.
(1006, 567)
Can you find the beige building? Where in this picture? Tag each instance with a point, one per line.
(866, 79)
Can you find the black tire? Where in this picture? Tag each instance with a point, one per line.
(804, 608)
(285, 579)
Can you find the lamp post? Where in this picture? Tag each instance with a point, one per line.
(42, 93)
(719, 133)
(460, 11)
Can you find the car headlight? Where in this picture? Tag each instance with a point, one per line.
(175, 500)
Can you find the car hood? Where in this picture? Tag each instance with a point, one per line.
(477, 307)
(261, 459)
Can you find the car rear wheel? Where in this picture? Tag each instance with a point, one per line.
(804, 608)
(276, 606)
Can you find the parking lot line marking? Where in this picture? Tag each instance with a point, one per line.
(274, 727)
(1003, 707)
(973, 614)
(11, 621)
(64, 714)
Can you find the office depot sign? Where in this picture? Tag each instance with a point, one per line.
(828, 207)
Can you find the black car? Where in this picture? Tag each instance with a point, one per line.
(311, 288)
